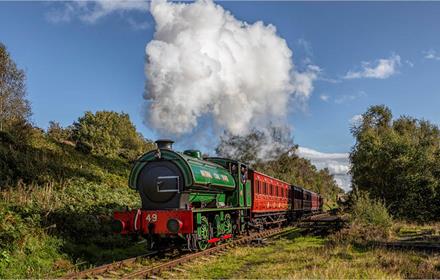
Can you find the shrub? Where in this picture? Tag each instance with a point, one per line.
(58, 133)
(109, 133)
(84, 147)
(366, 211)
(369, 221)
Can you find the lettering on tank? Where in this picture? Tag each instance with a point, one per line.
(205, 173)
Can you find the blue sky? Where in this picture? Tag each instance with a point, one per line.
(92, 58)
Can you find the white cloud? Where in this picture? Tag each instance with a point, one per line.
(92, 11)
(432, 54)
(410, 63)
(329, 80)
(355, 120)
(307, 46)
(138, 25)
(337, 164)
(380, 69)
(324, 97)
(349, 97)
(205, 64)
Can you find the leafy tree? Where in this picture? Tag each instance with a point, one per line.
(256, 146)
(109, 133)
(14, 107)
(398, 162)
(58, 133)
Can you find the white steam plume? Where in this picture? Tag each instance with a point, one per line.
(203, 62)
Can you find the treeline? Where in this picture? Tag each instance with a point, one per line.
(398, 162)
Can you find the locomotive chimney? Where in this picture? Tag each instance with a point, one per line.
(165, 144)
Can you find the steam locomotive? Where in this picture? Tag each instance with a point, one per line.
(195, 202)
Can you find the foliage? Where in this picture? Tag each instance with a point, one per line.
(58, 133)
(109, 133)
(398, 162)
(369, 221)
(56, 205)
(257, 146)
(14, 107)
(25, 249)
(44, 161)
(366, 211)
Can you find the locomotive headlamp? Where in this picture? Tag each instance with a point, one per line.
(174, 225)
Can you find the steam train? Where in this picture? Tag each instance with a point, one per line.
(194, 202)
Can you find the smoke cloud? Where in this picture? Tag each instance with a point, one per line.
(204, 63)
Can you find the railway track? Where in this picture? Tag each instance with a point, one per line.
(102, 269)
(405, 245)
(134, 269)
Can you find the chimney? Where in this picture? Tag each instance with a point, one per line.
(165, 144)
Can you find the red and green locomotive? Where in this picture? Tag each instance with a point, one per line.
(194, 202)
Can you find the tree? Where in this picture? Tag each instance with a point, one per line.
(58, 133)
(398, 162)
(109, 133)
(14, 107)
(256, 146)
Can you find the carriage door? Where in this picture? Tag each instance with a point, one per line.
(246, 186)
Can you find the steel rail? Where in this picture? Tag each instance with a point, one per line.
(107, 267)
(422, 246)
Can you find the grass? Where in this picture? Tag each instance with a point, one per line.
(302, 257)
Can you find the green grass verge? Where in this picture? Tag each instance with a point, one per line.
(302, 257)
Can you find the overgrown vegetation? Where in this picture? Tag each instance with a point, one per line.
(398, 162)
(110, 134)
(57, 206)
(369, 220)
(366, 211)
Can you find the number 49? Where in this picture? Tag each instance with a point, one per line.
(151, 218)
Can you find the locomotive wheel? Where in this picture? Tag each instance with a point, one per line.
(203, 234)
(218, 227)
(227, 225)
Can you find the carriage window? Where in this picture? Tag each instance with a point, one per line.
(167, 184)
